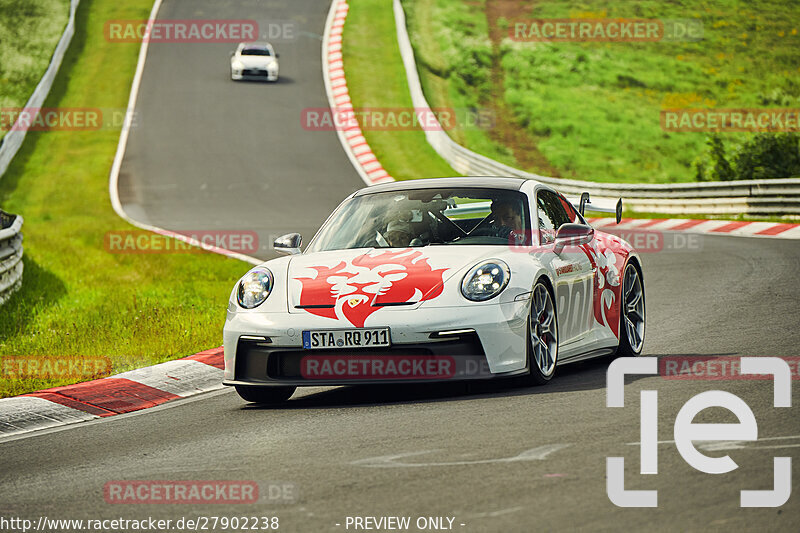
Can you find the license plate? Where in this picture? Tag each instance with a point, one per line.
(346, 338)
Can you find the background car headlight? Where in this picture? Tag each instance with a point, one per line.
(485, 281)
(237, 66)
(254, 287)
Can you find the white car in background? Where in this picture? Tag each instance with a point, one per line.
(254, 61)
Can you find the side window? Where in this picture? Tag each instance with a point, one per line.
(551, 215)
(572, 213)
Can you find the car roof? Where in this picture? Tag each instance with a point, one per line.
(488, 182)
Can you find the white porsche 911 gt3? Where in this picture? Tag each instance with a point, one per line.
(437, 279)
(254, 61)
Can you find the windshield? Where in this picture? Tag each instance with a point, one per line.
(256, 52)
(426, 217)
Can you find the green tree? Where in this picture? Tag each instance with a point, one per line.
(768, 155)
(720, 167)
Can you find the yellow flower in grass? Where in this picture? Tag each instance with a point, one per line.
(781, 33)
(794, 31)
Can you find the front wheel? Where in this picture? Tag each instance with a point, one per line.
(264, 394)
(632, 313)
(542, 344)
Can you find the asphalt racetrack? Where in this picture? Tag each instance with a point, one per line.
(494, 457)
(210, 154)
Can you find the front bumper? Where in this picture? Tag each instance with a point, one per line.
(254, 74)
(494, 346)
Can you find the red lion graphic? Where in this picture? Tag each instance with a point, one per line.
(357, 290)
(608, 256)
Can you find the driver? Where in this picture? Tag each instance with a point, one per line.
(398, 233)
(506, 217)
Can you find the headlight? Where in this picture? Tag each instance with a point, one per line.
(485, 281)
(254, 287)
(237, 66)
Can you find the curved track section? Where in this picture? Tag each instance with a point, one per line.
(492, 457)
(207, 153)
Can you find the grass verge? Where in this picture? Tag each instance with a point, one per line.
(29, 32)
(376, 79)
(76, 298)
(591, 110)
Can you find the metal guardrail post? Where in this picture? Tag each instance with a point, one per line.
(10, 254)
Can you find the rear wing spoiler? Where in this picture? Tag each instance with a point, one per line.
(582, 206)
(585, 204)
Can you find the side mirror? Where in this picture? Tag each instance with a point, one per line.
(572, 235)
(288, 244)
(584, 201)
(233, 53)
(277, 56)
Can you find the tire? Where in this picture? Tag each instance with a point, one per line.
(542, 341)
(632, 313)
(264, 394)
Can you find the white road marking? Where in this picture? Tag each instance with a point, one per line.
(712, 446)
(391, 461)
(492, 514)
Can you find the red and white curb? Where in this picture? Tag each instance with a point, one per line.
(122, 393)
(709, 227)
(351, 137)
(136, 389)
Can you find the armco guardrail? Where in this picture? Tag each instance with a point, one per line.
(12, 141)
(754, 197)
(10, 254)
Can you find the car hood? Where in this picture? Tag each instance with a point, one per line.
(254, 61)
(352, 284)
